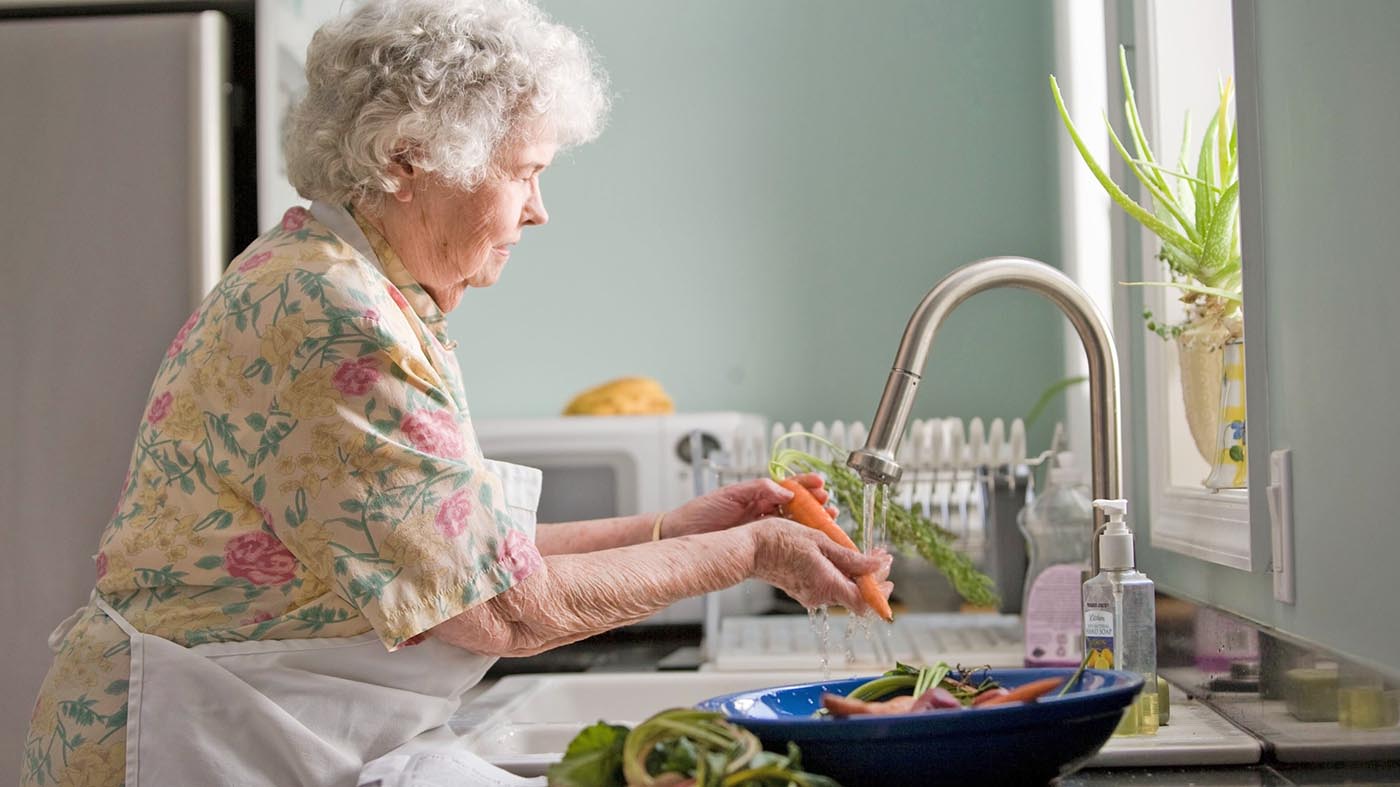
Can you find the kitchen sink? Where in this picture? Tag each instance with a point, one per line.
(619, 697)
(524, 722)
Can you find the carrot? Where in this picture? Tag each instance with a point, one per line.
(988, 695)
(841, 707)
(1026, 692)
(804, 509)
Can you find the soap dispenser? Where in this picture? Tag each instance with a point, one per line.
(1120, 619)
(1057, 527)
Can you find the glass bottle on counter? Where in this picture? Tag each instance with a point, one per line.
(1120, 619)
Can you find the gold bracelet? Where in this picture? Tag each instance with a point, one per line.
(656, 527)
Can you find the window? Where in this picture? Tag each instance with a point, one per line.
(1183, 47)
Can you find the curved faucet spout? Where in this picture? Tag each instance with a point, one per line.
(876, 462)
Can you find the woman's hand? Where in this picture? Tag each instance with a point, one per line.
(738, 504)
(572, 596)
(812, 568)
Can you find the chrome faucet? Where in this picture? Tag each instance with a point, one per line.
(875, 463)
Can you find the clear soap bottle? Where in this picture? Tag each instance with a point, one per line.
(1120, 618)
(1058, 527)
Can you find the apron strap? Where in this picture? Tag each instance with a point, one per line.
(135, 689)
(60, 632)
(115, 616)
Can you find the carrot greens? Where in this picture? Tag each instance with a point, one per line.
(907, 529)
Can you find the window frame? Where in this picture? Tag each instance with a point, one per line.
(1212, 526)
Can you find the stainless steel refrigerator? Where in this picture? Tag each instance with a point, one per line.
(137, 152)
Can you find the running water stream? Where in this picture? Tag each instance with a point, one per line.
(821, 627)
(874, 533)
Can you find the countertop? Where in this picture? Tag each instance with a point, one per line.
(1240, 776)
(646, 649)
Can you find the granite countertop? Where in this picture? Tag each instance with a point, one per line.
(1240, 776)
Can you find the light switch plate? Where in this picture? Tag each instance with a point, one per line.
(1280, 496)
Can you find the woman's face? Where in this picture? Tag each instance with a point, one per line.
(451, 239)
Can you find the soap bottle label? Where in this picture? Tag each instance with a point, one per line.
(1098, 635)
(1052, 622)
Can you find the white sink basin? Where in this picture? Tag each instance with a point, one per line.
(523, 723)
(619, 697)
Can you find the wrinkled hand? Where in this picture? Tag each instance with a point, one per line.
(812, 568)
(738, 504)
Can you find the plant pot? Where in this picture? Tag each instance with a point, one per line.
(1230, 460)
(1201, 372)
(1200, 357)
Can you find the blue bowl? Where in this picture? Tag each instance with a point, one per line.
(1023, 743)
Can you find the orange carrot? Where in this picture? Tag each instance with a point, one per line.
(804, 509)
(988, 695)
(1026, 692)
(841, 707)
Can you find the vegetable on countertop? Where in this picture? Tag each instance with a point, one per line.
(675, 748)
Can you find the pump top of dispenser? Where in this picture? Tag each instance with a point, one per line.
(1116, 541)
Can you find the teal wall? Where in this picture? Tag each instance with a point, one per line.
(1328, 102)
(780, 183)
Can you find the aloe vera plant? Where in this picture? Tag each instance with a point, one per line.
(1197, 213)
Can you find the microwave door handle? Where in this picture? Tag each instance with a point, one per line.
(709, 631)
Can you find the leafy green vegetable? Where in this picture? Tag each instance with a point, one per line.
(930, 677)
(593, 759)
(906, 529)
(775, 770)
(674, 746)
(965, 687)
(677, 756)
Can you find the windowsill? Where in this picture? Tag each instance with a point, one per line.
(1210, 526)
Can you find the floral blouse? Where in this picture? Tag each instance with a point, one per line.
(305, 467)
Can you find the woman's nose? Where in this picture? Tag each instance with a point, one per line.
(534, 212)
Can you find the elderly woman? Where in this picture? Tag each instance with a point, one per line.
(310, 560)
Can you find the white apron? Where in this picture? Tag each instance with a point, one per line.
(294, 712)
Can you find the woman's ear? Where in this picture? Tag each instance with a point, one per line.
(402, 170)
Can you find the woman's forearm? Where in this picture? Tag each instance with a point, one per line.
(576, 596)
(575, 538)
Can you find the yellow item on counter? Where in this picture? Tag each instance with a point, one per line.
(624, 396)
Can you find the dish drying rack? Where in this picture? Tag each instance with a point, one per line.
(971, 478)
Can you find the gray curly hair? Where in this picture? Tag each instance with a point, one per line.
(439, 84)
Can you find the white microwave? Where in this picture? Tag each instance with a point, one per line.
(597, 467)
